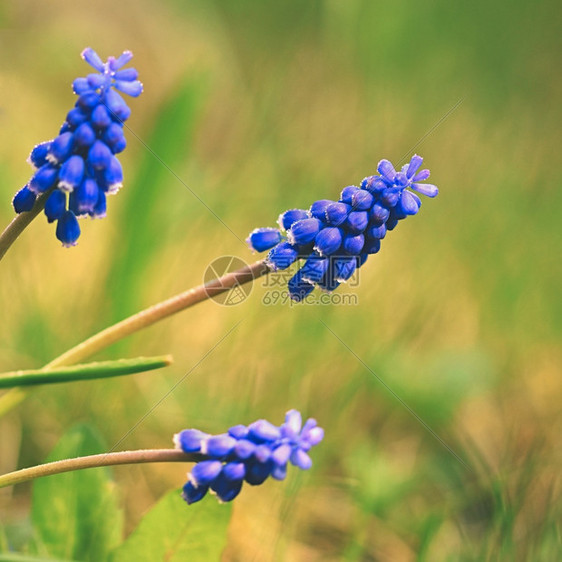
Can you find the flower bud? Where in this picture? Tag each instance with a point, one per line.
(68, 229)
(262, 239)
(24, 200)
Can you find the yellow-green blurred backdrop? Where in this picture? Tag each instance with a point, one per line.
(262, 106)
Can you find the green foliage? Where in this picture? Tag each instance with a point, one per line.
(13, 557)
(152, 193)
(76, 514)
(96, 370)
(76, 517)
(173, 531)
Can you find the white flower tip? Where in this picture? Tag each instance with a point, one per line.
(249, 242)
(320, 252)
(114, 188)
(270, 265)
(65, 186)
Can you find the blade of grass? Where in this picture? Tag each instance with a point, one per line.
(141, 320)
(170, 142)
(88, 371)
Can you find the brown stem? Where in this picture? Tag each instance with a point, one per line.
(94, 461)
(20, 223)
(151, 315)
(141, 320)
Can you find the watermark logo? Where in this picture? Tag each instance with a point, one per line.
(226, 291)
(328, 274)
(223, 287)
(317, 298)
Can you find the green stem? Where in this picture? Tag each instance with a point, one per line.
(20, 223)
(141, 320)
(94, 461)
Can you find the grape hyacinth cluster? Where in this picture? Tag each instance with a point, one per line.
(80, 166)
(334, 238)
(246, 454)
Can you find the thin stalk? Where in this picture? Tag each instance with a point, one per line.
(20, 223)
(159, 311)
(141, 320)
(95, 461)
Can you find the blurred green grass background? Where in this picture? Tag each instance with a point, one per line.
(262, 106)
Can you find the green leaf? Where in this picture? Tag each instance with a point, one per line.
(97, 370)
(76, 514)
(173, 531)
(15, 557)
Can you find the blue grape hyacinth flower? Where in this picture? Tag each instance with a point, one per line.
(80, 167)
(332, 239)
(248, 454)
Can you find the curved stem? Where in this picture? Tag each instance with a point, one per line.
(94, 461)
(159, 311)
(141, 320)
(20, 223)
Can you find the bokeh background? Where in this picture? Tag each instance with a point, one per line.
(263, 106)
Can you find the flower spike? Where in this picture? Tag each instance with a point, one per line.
(334, 238)
(248, 454)
(81, 160)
